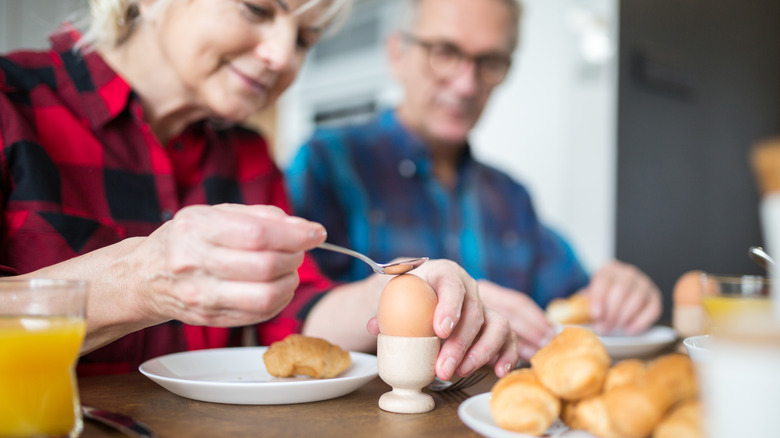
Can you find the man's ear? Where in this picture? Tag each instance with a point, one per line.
(394, 48)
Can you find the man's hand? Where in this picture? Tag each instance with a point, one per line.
(526, 318)
(623, 298)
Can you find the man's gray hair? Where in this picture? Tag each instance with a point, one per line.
(408, 17)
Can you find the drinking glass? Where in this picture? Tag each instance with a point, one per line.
(735, 302)
(42, 326)
(740, 374)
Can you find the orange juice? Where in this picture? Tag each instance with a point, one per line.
(722, 308)
(38, 392)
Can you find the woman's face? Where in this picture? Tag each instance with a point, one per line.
(235, 57)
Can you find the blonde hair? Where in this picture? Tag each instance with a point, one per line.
(111, 22)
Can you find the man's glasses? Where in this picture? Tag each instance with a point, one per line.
(446, 60)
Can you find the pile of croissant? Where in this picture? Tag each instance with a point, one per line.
(572, 379)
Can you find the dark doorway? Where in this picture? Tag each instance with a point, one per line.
(699, 85)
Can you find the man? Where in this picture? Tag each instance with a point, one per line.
(406, 184)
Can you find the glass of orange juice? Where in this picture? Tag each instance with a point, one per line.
(734, 302)
(42, 326)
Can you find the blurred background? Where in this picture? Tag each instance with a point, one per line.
(629, 121)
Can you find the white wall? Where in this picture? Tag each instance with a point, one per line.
(552, 124)
(344, 79)
(28, 23)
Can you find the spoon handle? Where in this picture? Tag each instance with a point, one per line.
(349, 252)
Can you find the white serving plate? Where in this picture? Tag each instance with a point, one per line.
(641, 345)
(475, 413)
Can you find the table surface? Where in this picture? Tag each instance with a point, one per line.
(354, 415)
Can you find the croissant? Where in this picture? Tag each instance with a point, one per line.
(569, 415)
(573, 365)
(684, 421)
(304, 355)
(624, 372)
(591, 414)
(572, 310)
(520, 403)
(636, 408)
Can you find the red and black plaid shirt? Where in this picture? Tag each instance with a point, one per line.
(80, 169)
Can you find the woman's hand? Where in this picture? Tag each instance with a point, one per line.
(223, 265)
(473, 335)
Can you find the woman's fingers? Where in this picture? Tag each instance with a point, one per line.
(456, 292)
(472, 335)
(256, 227)
(495, 339)
(454, 348)
(227, 264)
(238, 265)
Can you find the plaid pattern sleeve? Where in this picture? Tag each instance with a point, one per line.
(372, 187)
(80, 169)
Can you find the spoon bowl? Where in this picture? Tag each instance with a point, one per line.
(395, 268)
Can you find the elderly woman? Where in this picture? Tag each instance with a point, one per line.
(115, 141)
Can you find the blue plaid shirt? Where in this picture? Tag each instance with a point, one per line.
(373, 188)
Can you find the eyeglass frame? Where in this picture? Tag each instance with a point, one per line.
(460, 58)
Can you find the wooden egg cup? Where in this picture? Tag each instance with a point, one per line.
(407, 364)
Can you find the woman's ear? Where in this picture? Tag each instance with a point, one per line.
(145, 5)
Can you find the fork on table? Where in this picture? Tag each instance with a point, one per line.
(459, 384)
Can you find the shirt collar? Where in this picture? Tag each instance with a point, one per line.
(413, 147)
(104, 93)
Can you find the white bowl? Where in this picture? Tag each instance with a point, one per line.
(698, 347)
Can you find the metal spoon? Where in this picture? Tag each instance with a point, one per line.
(761, 257)
(396, 268)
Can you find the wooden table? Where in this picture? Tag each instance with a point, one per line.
(353, 415)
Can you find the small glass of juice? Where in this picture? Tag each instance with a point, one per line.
(42, 326)
(739, 376)
(735, 302)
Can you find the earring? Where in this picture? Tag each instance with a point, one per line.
(131, 14)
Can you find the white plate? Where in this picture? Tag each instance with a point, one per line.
(644, 344)
(641, 345)
(475, 413)
(238, 376)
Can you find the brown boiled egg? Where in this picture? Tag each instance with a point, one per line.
(406, 307)
(687, 314)
(687, 289)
